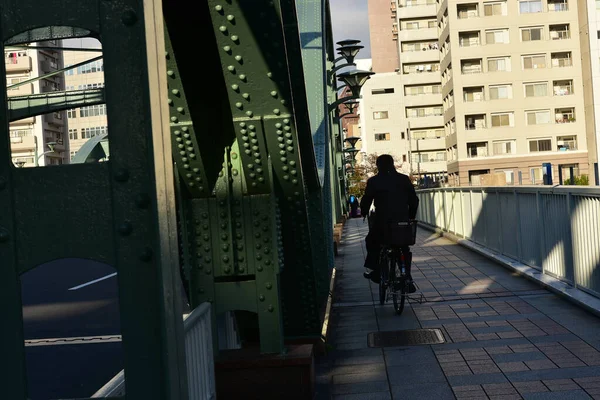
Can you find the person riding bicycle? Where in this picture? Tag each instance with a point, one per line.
(395, 200)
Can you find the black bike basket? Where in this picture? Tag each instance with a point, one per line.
(400, 234)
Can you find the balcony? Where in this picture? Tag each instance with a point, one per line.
(563, 88)
(416, 8)
(428, 144)
(55, 118)
(469, 39)
(22, 143)
(48, 66)
(467, 11)
(22, 90)
(477, 150)
(468, 67)
(419, 56)
(17, 64)
(558, 5)
(560, 32)
(473, 94)
(475, 122)
(564, 115)
(409, 35)
(562, 59)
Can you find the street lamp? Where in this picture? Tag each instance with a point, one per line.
(354, 79)
(350, 106)
(37, 158)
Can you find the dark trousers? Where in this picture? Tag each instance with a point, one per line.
(373, 244)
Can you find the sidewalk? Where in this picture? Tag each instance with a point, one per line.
(506, 338)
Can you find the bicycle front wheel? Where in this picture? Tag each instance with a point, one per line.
(400, 290)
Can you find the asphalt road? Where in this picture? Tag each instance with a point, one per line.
(51, 310)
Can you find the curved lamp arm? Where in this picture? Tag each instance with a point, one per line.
(334, 105)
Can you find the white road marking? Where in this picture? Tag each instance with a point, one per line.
(92, 282)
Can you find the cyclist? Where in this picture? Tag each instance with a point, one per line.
(395, 200)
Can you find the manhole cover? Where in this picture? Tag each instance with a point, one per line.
(410, 337)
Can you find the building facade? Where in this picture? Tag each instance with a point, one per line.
(38, 140)
(87, 122)
(512, 85)
(403, 108)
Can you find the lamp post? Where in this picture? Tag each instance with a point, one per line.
(37, 157)
(354, 79)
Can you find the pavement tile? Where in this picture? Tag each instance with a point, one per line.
(530, 387)
(515, 366)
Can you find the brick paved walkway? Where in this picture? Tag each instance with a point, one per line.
(505, 337)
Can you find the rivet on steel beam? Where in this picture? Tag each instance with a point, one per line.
(225, 259)
(175, 92)
(170, 102)
(235, 87)
(286, 121)
(174, 119)
(259, 268)
(276, 111)
(283, 102)
(246, 96)
(239, 105)
(223, 28)
(238, 58)
(230, 17)
(270, 308)
(282, 152)
(270, 74)
(180, 109)
(227, 49)
(249, 113)
(242, 77)
(122, 175)
(146, 254)
(170, 73)
(4, 235)
(268, 285)
(185, 128)
(125, 228)
(231, 68)
(219, 8)
(227, 270)
(235, 38)
(261, 297)
(129, 17)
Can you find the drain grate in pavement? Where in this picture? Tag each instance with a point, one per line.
(409, 337)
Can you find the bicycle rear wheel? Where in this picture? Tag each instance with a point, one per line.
(400, 289)
(383, 279)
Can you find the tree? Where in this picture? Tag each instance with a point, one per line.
(367, 167)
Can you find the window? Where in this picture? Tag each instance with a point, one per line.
(468, 39)
(473, 94)
(498, 64)
(564, 115)
(69, 71)
(95, 66)
(537, 117)
(495, 8)
(565, 143)
(537, 175)
(505, 147)
(537, 89)
(563, 88)
(433, 133)
(558, 5)
(496, 36)
(475, 122)
(499, 92)
(530, 6)
(419, 46)
(72, 113)
(422, 89)
(559, 32)
(87, 133)
(502, 119)
(382, 91)
(532, 33)
(510, 176)
(91, 86)
(420, 112)
(380, 115)
(420, 68)
(478, 149)
(93, 111)
(534, 61)
(382, 137)
(538, 145)
(73, 134)
(467, 10)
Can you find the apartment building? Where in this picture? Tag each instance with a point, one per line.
(87, 122)
(38, 140)
(589, 35)
(512, 88)
(403, 108)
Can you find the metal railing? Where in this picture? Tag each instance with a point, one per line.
(553, 229)
(198, 354)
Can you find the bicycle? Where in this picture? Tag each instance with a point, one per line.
(393, 278)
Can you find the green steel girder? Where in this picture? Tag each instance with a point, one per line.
(20, 107)
(129, 200)
(48, 33)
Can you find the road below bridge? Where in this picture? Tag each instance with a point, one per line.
(72, 328)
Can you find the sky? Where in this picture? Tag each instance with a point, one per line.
(350, 21)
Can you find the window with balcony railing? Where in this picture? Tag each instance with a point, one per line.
(560, 32)
(473, 94)
(471, 66)
(475, 122)
(416, 3)
(565, 143)
(19, 133)
(468, 39)
(418, 90)
(563, 88)
(477, 149)
(419, 46)
(558, 5)
(470, 10)
(421, 23)
(564, 115)
(424, 134)
(562, 59)
(420, 68)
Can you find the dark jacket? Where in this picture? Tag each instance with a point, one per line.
(394, 196)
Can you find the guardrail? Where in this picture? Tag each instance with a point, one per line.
(199, 359)
(553, 229)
